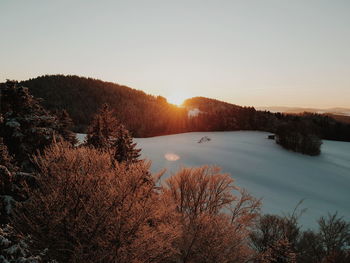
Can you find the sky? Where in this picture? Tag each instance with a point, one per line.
(254, 53)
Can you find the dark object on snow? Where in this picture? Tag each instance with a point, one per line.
(271, 137)
(204, 139)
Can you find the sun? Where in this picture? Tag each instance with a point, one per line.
(177, 98)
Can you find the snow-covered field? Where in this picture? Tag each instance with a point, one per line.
(282, 178)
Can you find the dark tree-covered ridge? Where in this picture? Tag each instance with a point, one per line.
(146, 115)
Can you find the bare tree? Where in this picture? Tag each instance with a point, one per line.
(214, 216)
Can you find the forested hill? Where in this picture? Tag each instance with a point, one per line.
(146, 115)
(143, 114)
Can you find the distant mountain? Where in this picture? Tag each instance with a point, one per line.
(207, 104)
(335, 111)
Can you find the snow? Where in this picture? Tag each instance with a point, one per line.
(193, 112)
(282, 178)
(80, 137)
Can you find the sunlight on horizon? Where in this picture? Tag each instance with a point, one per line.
(177, 98)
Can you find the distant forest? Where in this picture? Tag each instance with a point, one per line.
(146, 115)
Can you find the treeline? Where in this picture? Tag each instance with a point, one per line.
(298, 137)
(145, 115)
(303, 132)
(218, 115)
(99, 203)
(297, 132)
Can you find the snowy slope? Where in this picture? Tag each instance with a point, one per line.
(280, 177)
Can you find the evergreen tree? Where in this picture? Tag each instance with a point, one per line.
(125, 150)
(107, 133)
(26, 127)
(65, 126)
(103, 129)
(5, 158)
(16, 248)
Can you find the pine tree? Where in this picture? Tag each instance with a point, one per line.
(5, 158)
(26, 127)
(107, 133)
(125, 150)
(65, 126)
(103, 129)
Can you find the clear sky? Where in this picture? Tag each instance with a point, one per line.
(260, 53)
